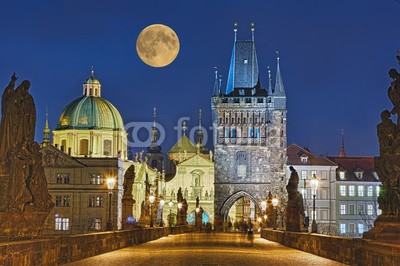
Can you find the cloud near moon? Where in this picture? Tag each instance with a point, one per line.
(157, 45)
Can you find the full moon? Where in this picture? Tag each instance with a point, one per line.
(157, 45)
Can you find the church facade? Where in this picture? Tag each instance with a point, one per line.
(249, 133)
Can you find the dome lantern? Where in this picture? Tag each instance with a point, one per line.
(92, 86)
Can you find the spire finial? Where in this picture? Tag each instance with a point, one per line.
(342, 152)
(92, 71)
(184, 128)
(200, 119)
(235, 25)
(277, 55)
(46, 131)
(269, 81)
(220, 81)
(252, 31)
(216, 72)
(154, 116)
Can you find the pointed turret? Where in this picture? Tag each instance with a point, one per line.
(270, 89)
(216, 84)
(154, 147)
(199, 132)
(342, 152)
(243, 70)
(279, 88)
(46, 131)
(92, 86)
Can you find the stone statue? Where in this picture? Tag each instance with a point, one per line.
(387, 165)
(295, 203)
(270, 211)
(25, 201)
(128, 202)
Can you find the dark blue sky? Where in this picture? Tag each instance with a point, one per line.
(335, 56)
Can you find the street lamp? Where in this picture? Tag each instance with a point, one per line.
(314, 187)
(275, 203)
(162, 202)
(151, 200)
(110, 185)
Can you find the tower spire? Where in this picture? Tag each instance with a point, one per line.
(270, 91)
(92, 71)
(199, 119)
(154, 147)
(235, 30)
(342, 152)
(46, 131)
(154, 116)
(279, 88)
(252, 31)
(184, 128)
(216, 83)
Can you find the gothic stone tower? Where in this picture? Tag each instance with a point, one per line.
(249, 133)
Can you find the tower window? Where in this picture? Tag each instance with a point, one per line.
(245, 61)
(220, 120)
(83, 147)
(107, 147)
(233, 133)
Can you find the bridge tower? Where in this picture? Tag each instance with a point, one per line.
(249, 132)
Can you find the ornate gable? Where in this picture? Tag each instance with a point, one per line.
(53, 157)
(197, 161)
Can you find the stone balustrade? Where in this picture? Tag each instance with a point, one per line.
(353, 251)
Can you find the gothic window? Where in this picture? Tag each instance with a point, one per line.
(62, 224)
(236, 100)
(244, 120)
(260, 100)
(233, 133)
(84, 147)
(233, 120)
(257, 132)
(59, 179)
(220, 120)
(248, 100)
(58, 201)
(66, 201)
(262, 119)
(91, 91)
(251, 133)
(226, 132)
(107, 147)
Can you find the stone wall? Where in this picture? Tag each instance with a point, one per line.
(63, 249)
(30, 252)
(353, 251)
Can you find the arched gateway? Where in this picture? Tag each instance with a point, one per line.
(249, 132)
(233, 199)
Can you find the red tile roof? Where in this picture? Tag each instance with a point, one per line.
(356, 164)
(295, 152)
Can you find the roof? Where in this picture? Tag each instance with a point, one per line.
(88, 112)
(356, 164)
(295, 152)
(183, 144)
(92, 80)
(243, 71)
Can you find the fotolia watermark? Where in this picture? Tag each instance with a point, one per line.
(135, 139)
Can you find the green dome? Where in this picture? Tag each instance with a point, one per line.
(92, 80)
(88, 112)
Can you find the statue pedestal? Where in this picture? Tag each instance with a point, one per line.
(386, 228)
(15, 224)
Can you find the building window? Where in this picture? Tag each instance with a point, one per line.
(342, 209)
(257, 133)
(304, 159)
(97, 224)
(107, 147)
(96, 201)
(352, 209)
(352, 229)
(361, 191)
(352, 190)
(370, 210)
(343, 228)
(66, 201)
(96, 179)
(251, 132)
(84, 147)
(341, 175)
(61, 224)
(360, 228)
(245, 61)
(313, 173)
(303, 174)
(370, 190)
(226, 132)
(377, 190)
(342, 190)
(304, 193)
(324, 175)
(62, 179)
(359, 175)
(58, 201)
(63, 145)
(361, 209)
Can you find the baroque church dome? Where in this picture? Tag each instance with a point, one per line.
(90, 111)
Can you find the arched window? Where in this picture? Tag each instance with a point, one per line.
(63, 145)
(83, 147)
(107, 147)
(197, 181)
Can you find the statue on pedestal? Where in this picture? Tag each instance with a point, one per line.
(295, 203)
(25, 202)
(387, 165)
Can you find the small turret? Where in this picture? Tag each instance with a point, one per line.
(342, 152)
(92, 86)
(46, 132)
(279, 88)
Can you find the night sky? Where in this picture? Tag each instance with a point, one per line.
(335, 56)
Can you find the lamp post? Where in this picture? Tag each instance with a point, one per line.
(314, 187)
(162, 202)
(263, 209)
(151, 200)
(179, 213)
(196, 218)
(170, 204)
(275, 204)
(110, 185)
